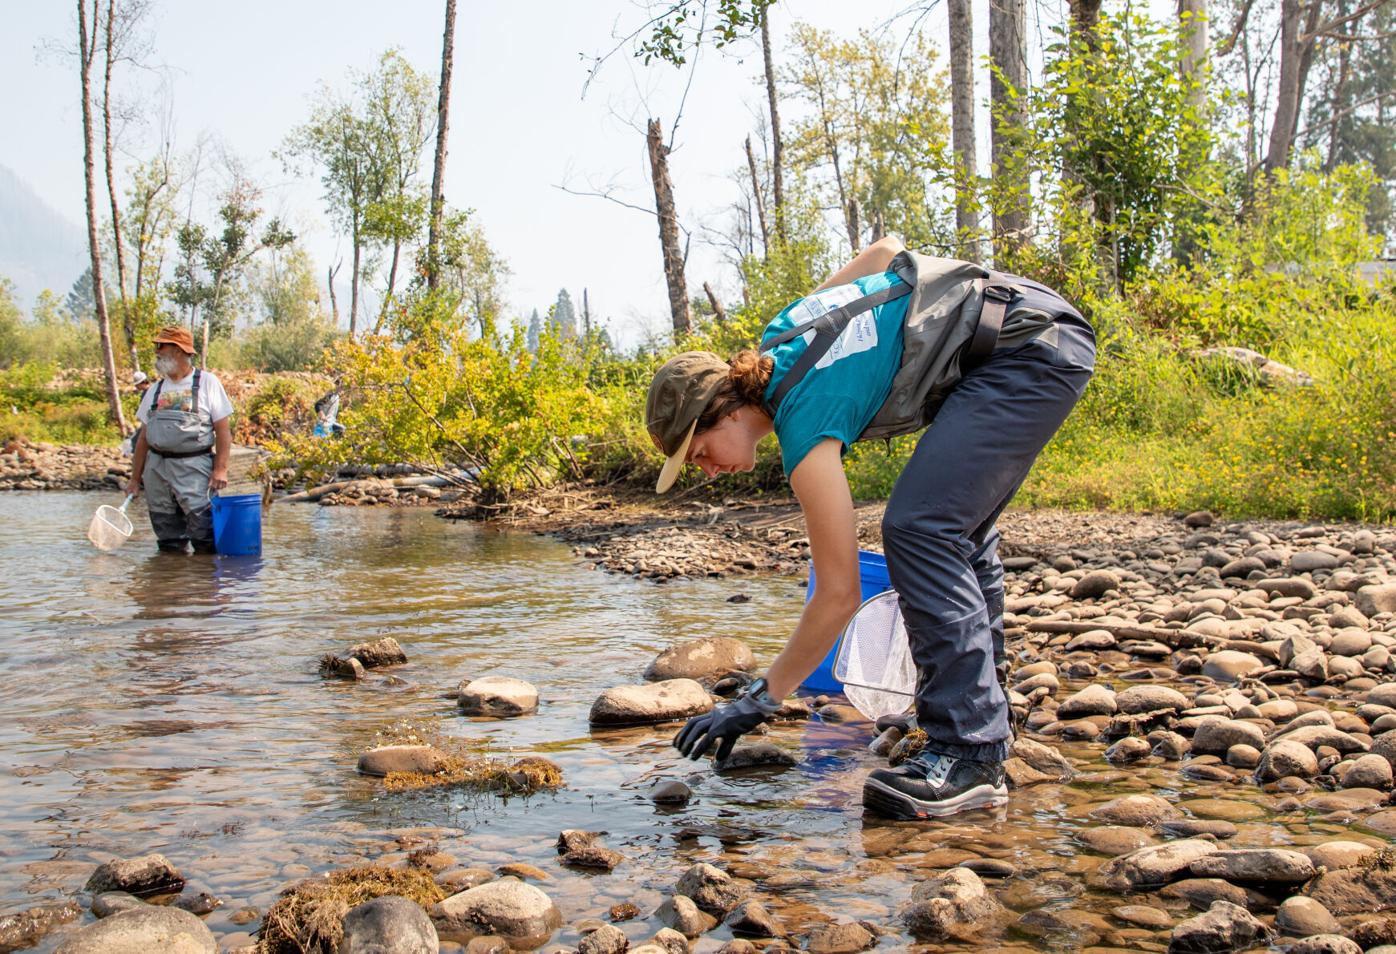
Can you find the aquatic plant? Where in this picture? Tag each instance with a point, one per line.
(306, 918)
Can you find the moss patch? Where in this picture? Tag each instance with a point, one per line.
(522, 777)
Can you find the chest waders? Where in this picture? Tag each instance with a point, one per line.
(177, 471)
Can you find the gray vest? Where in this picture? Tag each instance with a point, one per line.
(947, 324)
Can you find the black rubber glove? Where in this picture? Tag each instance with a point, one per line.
(726, 723)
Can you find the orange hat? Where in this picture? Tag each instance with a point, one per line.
(176, 336)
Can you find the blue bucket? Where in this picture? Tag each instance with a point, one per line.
(237, 524)
(872, 575)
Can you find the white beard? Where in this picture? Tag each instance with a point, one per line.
(167, 367)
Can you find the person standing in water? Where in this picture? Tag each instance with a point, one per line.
(183, 446)
(1013, 389)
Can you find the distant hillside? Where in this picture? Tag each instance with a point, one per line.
(38, 247)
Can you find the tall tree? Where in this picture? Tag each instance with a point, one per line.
(1193, 29)
(535, 331)
(438, 182)
(88, 45)
(668, 228)
(564, 315)
(777, 147)
(962, 125)
(757, 196)
(1008, 95)
(116, 35)
(339, 141)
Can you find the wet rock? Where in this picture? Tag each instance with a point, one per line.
(1138, 699)
(26, 928)
(671, 792)
(1300, 916)
(1129, 749)
(755, 755)
(699, 659)
(142, 931)
(1215, 735)
(1095, 584)
(1155, 865)
(1044, 758)
(1201, 892)
(734, 946)
(1376, 598)
(1325, 944)
(681, 914)
(498, 696)
(1368, 771)
(144, 876)
(1243, 756)
(1314, 736)
(378, 653)
(113, 902)
(507, 907)
(1192, 827)
(847, 938)
(989, 867)
(1255, 865)
(199, 904)
(1338, 854)
(882, 745)
(1285, 759)
(583, 849)
(751, 918)
(1094, 639)
(389, 923)
(1230, 665)
(625, 911)
(421, 759)
(1095, 699)
(1225, 927)
(457, 880)
(1114, 840)
(1170, 745)
(523, 871)
(606, 939)
(1373, 931)
(954, 898)
(341, 667)
(1354, 890)
(711, 888)
(1136, 810)
(666, 701)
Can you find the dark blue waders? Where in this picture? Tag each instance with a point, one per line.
(939, 535)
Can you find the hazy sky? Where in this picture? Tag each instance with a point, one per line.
(245, 73)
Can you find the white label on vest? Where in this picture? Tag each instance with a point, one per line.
(859, 335)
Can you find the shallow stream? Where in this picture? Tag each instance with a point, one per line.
(159, 703)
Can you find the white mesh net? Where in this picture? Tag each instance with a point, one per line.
(109, 528)
(874, 660)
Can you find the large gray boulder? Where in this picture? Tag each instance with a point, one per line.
(508, 907)
(666, 701)
(498, 696)
(390, 924)
(705, 658)
(143, 931)
(1139, 811)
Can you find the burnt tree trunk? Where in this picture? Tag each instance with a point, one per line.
(777, 153)
(438, 194)
(962, 125)
(668, 229)
(1008, 88)
(87, 51)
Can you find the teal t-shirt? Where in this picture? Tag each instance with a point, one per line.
(843, 391)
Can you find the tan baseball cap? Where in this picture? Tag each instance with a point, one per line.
(679, 394)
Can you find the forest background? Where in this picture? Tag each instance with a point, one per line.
(1212, 185)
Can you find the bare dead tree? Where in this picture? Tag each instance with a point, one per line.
(331, 272)
(756, 195)
(777, 150)
(87, 53)
(438, 194)
(719, 312)
(668, 228)
(962, 124)
(1008, 87)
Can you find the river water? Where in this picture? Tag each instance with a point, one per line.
(153, 702)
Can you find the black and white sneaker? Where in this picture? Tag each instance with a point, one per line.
(931, 786)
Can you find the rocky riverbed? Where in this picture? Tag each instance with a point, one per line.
(1207, 717)
(30, 465)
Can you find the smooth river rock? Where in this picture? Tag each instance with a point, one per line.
(390, 924)
(665, 701)
(144, 876)
(508, 907)
(711, 888)
(1260, 865)
(709, 657)
(498, 696)
(1136, 810)
(1301, 916)
(1154, 865)
(421, 759)
(1230, 665)
(1225, 927)
(956, 897)
(142, 930)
